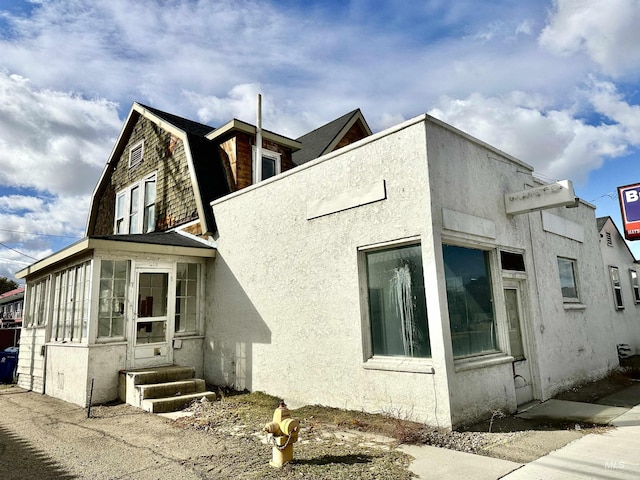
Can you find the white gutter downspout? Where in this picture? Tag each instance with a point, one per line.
(259, 141)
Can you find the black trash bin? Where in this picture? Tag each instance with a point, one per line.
(8, 364)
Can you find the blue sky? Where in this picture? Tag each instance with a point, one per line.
(554, 83)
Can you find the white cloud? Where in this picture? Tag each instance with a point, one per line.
(606, 30)
(52, 141)
(555, 142)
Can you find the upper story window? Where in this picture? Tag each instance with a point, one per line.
(136, 154)
(136, 207)
(271, 165)
(568, 281)
(609, 239)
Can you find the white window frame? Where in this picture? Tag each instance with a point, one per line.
(70, 289)
(635, 287)
(576, 283)
(122, 219)
(112, 279)
(135, 160)
(383, 362)
(269, 154)
(198, 300)
(616, 286)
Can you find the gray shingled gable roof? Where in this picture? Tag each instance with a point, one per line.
(600, 221)
(210, 180)
(211, 177)
(184, 124)
(315, 143)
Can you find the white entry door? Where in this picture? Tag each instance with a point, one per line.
(151, 327)
(516, 316)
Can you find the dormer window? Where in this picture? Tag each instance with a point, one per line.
(136, 154)
(136, 207)
(271, 165)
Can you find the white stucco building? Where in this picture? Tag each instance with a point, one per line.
(417, 272)
(498, 309)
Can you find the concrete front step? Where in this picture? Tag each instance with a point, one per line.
(171, 389)
(171, 404)
(171, 373)
(159, 382)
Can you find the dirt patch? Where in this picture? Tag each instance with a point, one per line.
(332, 439)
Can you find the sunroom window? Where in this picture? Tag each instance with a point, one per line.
(186, 314)
(71, 292)
(111, 304)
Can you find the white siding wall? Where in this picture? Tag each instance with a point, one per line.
(31, 359)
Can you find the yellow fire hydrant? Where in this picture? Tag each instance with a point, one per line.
(283, 433)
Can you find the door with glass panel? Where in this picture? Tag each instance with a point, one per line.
(516, 317)
(151, 333)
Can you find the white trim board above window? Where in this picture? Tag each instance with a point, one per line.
(136, 207)
(136, 154)
(271, 164)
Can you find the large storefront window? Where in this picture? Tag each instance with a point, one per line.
(469, 297)
(113, 283)
(397, 306)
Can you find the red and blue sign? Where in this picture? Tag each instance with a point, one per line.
(630, 206)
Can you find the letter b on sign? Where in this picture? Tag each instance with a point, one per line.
(631, 196)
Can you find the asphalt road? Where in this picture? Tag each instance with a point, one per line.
(45, 438)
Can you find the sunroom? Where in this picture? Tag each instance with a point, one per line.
(110, 304)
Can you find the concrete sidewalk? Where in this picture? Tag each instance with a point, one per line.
(613, 454)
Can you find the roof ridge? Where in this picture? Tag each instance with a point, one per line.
(183, 123)
(346, 116)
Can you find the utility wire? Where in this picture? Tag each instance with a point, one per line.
(17, 251)
(39, 234)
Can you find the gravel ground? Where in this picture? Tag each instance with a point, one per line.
(41, 437)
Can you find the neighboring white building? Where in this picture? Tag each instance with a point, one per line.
(622, 271)
(417, 272)
(319, 272)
